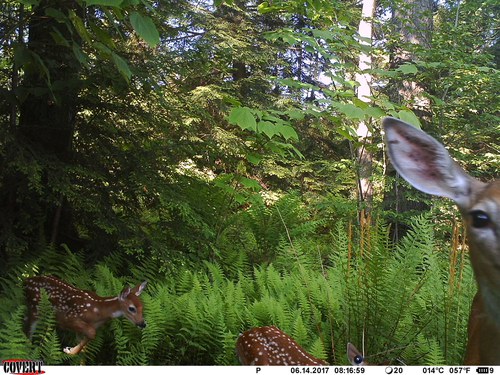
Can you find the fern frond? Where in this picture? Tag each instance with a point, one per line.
(13, 341)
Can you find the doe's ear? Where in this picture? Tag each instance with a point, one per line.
(425, 163)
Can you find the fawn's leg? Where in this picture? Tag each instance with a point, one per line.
(78, 348)
(89, 334)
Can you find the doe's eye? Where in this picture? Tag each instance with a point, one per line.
(132, 309)
(480, 219)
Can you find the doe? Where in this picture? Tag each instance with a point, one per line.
(425, 163)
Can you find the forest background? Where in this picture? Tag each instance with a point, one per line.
(230, 153)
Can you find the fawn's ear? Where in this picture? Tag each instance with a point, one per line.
(124, 294)
(139, 288)
(354, 355)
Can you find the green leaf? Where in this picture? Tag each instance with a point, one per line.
(268, 128)
(350, 110)
(408, 69)
(359, 103)
(288, 147)
(80, 27)
(22, 55)
(103, 36)
(255, 159)
(410, 118)
(243, 117)
(80, 55)
(346, 133)
(103, 48)
(274, 119)
(145, 28)
(109, 3)
(288, 132)
(231, 100)
(385, 104)
(290, 82)
(58, 38)
(122, 66)
(41, 66)
(56, 14)
(30, 2)
(374, 112)
(382, 72)
(249, 183)
(264, 8)
(296, 114)
(289, 38)
(437, 100)
(325, 34)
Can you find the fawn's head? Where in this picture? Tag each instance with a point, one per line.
(131, 305)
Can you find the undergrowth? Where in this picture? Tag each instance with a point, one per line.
(407, 304)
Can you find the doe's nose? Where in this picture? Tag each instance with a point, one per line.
(141, 324)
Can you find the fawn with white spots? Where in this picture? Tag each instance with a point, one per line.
(263, 346)
(425, 163)
(270, 346)
(79, 310)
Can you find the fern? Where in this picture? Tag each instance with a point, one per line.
(317, 349)
(435, 356)
(227, 355)
(403, 300)
(17, 345)
(50, 348)
(152, 335)
(47, 344)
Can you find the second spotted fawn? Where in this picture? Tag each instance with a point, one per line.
(270, 346)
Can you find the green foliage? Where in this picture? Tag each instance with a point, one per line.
(210, 150)
(400, 299)
(45, 340)
(18, 345)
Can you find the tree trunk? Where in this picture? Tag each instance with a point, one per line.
(48, 113)
(413, 23)
(365, 167)
(40, 142)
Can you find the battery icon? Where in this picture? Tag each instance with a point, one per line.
(483, 370)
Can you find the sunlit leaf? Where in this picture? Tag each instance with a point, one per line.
(255, 159)
(350, 110)
(374, 112)
(145, 28)
(410, 118)
(268, 128)
(249, 183)
(407, 69)
(243, 117)
(288, 132)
